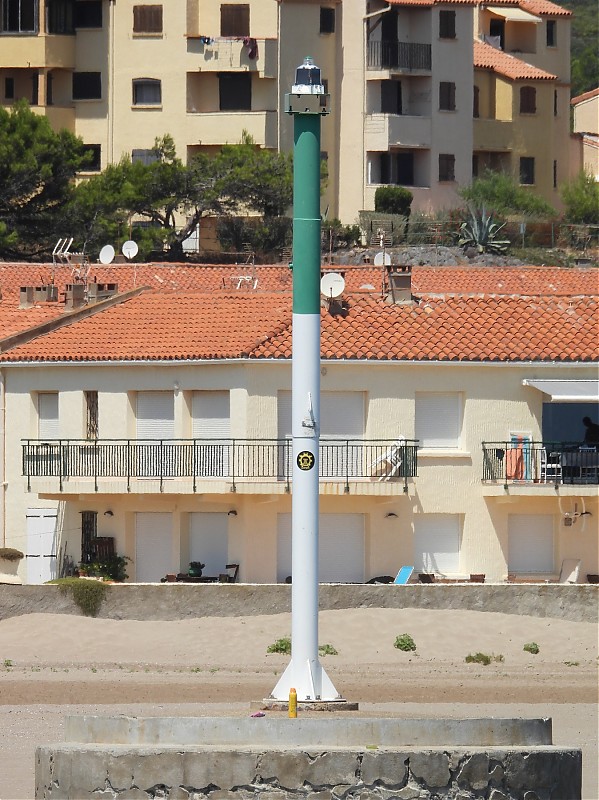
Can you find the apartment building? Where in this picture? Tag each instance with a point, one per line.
(424, 93)
(451, 424)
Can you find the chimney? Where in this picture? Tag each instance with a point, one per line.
(100, 291)
(26, 295)
(74, 296)
(400, 283)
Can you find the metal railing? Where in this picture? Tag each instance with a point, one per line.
(227, 459)
(398, 55)
(517, 462)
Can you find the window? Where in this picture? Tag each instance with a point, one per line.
(155, 415)
(530, 543)
(446, 167)
(555, 103)
(95, 158)
(391, 100)
(439, 420)
(476, 103)
(91, 414)
(87, 86)
(235, 91)
(447, 24)
(475, 168)
(551, 32)
(555, 174)
(446, 96)
(527, 170)
(147, 19)
(327, 20)
(144, 156)
(147, 92)
(437, 543)
(88, 14)
(89, 531)
(9, 88)
(19, 16)
(47, 413)
(235, 20)
(49, 89)
(59, 16)
(528, 100)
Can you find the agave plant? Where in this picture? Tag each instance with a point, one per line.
(481, 232)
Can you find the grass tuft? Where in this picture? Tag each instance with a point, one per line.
(405, 642)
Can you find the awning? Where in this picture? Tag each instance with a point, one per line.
(513, 14)
(565, 391)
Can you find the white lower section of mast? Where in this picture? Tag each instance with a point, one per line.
(304, 672)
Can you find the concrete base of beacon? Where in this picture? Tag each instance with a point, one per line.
(198, 758)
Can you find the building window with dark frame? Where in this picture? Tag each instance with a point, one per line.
(475, 165)
(19, 16)
(446, 96)
(87, 85)
(147, 92)
(88, 14)
(551, 33)
(555, 102)
(555, 174)
(528, 100)
(527, 170)
(89, 532)
(327, 19)
(447, 24)
(91, 414)
(95, 158)
(476, 103)
(446, 167)
(147, 19)
(146, 157)
(235, 19)
(9, 88)
(59, 17)
(235, 91)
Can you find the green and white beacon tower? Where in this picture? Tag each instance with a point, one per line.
(307, 103)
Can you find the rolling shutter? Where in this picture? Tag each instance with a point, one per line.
(155, 415)
(530, 543)
(47, 405)
(208, 541)
(438, 420)
(211, 420)
(153, 546)
(437, 543)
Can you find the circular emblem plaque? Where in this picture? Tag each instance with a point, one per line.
(305, 460)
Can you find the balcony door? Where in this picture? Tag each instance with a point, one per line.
(437, 543)
(208, 541)
(211, 430)
(530, 543)
(41, 545)
(156, 452)
(153, 546)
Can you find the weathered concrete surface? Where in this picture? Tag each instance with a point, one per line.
(578, 602)
(77, 772)
(323, 732)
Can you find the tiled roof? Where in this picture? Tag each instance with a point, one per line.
(224, 326)
(14, 320)
(523, 281)
(537, 7)
(583, 97)
(488, 57)
(543, 8)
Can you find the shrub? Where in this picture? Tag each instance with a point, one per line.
(282, 646)
(531, 647)
(88, 595)
(405, 642)
(481, 232)
(393, 200)
(112, 569)
(11, 554)
(483, 658)
(581, 198)
(327, 650)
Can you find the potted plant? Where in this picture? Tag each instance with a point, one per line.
(195, 569)
(9, 564)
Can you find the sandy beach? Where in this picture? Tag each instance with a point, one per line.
(53, 664)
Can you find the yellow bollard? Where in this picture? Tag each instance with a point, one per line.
(292, 704)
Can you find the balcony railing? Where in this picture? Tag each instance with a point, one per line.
(225, 459)
(399, 55)
(555, 463)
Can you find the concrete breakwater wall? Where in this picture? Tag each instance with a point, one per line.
(578, 602)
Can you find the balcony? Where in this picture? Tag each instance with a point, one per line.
(58, 116)
(231, 55)
(227, 127)
(383, 131)
(183, 465)
(492, 135)
(399, 56)
(552, 464)
(37, 51)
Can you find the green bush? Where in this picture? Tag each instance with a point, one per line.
(581, 198)
(327, 650)
(405, 642)
(10, 554)
(531, 647)
(88, 595)
(282, 646)
(393, 200)
(112, 569)
(483, 658)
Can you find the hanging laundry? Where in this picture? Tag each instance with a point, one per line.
(251, 45)
(206, 40)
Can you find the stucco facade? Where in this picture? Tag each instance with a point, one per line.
(401, 79)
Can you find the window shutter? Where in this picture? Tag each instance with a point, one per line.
(437, 543)
(530, 543)
(438, 420)
(47, 404)
(235, 20)
(211, 416)
(155, 415)
(147, 19)
(341, 415)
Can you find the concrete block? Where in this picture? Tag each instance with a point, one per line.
(223, 769)
(88, 766)
(474, 771)
(379, 763)
(560, 774)
(432, 768)
(153, 768)
(318, 769)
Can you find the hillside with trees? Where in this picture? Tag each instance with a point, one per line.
(585, 51)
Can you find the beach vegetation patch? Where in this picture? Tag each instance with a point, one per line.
(327, 650)
(88, 595)
(531, 647)
(405, 642)
(282, 646)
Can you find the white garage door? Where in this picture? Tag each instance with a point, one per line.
(340, 548)
(208, 541)
(437, 543)
(530, 543)
(153, 546)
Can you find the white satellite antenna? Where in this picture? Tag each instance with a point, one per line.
(332, 284)
(382, 258)
(106, 254)
(129, 249)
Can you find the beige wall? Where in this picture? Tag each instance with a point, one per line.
(495, 403)
(586, 115)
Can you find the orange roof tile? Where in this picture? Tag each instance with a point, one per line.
(585, 96)
(537, 7)
(218, 326)
(488, 57)
(544, 8)
(14, 320)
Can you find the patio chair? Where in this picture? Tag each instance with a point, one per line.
(404, 575)
(569, 571)
(230, 576)
(389, 464)
(551, 467)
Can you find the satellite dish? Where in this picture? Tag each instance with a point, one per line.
(129, 249)
(382, 258)
(332, 284)
(106, 254)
